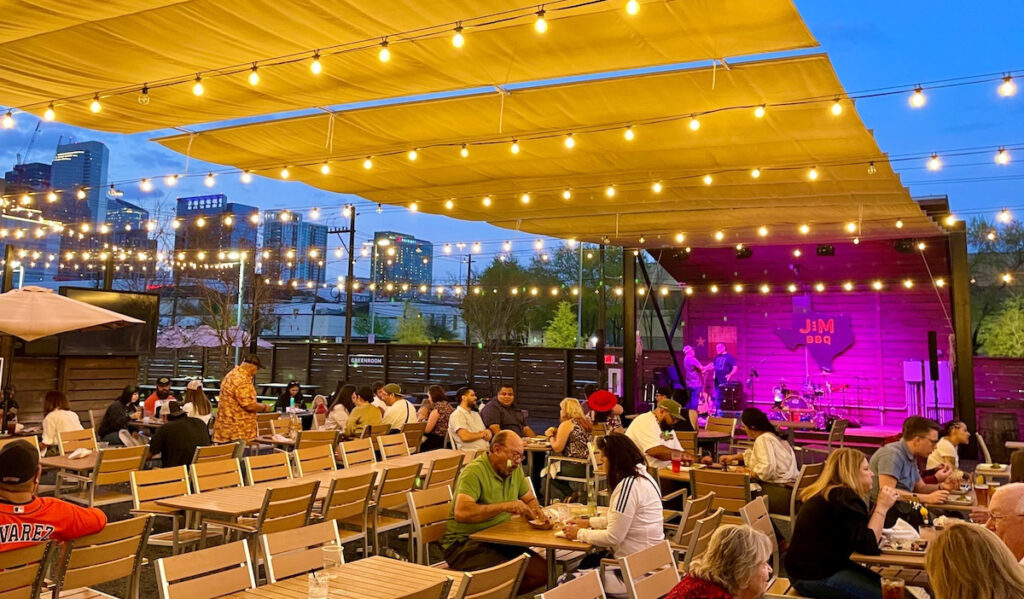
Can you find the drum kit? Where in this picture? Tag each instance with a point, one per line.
(812, 403)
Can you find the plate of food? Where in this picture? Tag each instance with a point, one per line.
(992, 466)
(541, 524)
(960, 499)
(897, 546)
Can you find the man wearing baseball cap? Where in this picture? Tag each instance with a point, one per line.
(159, 397)
(177, 440)
(647, 428)
(400, 412)
(239, 404)
(26, 519)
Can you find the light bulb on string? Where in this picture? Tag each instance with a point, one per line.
(871, 168)
(837, 107)
(514, 148)
(146, 185)
(486, 201)
(413, 155)
(314, 214)
(899, 223)
(458, 40)
(200, 222)
(1007, 88)
(368, 163)
(197, 87)
(315, 66)
(525, 198)
(464, 151)
(49, 115)
(325, 168)
(805, 229)
(171, 180)
(385, 54)
(570, 141)
(694, 123)
(632, 7)
(246, 177)
(629, 134)
(80, 194)
(759, 111)
(8, 120)
(813, 174)
(540, 25)
(1002, 156)
(95, 105)
(917, 99)
(228, 220)
(254, 218)
(413, 207)
(1004, 216)
(285, 173)
(755, 173)
(609, 191)
(254, 75)
(449, 204)
(851, 227)
(708, 179)
(566, 194)
(680, 237)
(656, 187)
(762, 231)
(934, 163)
(209, 180)
(346, 212)
(51, 196)
(719, 235)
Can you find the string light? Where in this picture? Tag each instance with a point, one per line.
(464, 152)
(609, 191)
(756, 173)
(1008, 87)
(449, 204)
(797, 253)
(759, 111)
(871, 168)
(246, 177)
(791, 288)
(541, 24)
(525, 198)
(385, 54)
(197, 87)
(144, 185)
(514, 148)
(805, 229)
(851, 227)
(457, 39)
(486, 201)
(899, 224)
(254, 218)
(819, 287)
(632, 7)
(209, 180)
(254, 75)
(921, 246)
(285, 173)
(934, 163)
(694, 123)
(707, 179)
(200, 222)
(762, 231)
(1007, 278)
(1002, 156)
(368, 163)
(1004, 216)
(629, 134)
(51, 197)
(940, 282)
(813, 174)
(80, 194)
(95, 105)
(680, 238)
(566, 194)
(171, 180)
(314, 214)
(848, 286)
(315, 67)
(908, 283)
(713, 289)
(719, 235)
(538, 244)
(570, 141)
(991, 236)
(346, 212)
(837, 107)
(49, 115)
(413, 207)
(8, 120)
(917, 99)
(950, 220)
(764, 288)
(413, 155)
(228, 220)
(656, 187)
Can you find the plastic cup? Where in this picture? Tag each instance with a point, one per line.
(677, 460)
(318, 585)
(893, 588)
(333, 557)
(981, 494)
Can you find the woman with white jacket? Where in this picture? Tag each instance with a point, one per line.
(341, 407)
(771, 460)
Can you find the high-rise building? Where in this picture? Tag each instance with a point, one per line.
(210, 224)
(81, 166)
(297, 249)
(127, 224)
(399, 258)
(32, 178)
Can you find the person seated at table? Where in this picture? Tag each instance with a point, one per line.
(340, 409)
(176, 441)
(291, 397)
(465, 425)
(734, 566)
(423, 412)
(571, 440)
(319, 405)
(158, 397)
(9, 405)
(895, 466)
(834, 522)
(771, 460)
(602, 406)
(197, 405)
(437, 420)
(968, 561)
(489, 490)
(688, 424)
(635, 517)
(400, 412)
(1005, 517)
(58, 418)
(647, 428)
(196, 384)
(26, 519)
(118, 416)
(239, 404)
(954, 433)
(364, 413)
(501, 414)
(378, 397)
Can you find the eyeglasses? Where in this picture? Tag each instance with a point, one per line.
(932, 441)
(995, 516)
(515, 456)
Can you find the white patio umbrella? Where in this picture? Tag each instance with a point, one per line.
(34, 312)
(174, 337)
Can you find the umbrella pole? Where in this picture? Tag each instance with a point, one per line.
(7, 355)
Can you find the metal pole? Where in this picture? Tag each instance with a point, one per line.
(350, 277)
(629, 330)
(469, 281)
(8, 276)
(254, 316)
(373, 293)
(602, 316)
(312, 316)
(579, 305)
(238, 311)
(108, 271)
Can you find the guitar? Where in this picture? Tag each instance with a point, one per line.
(705, 403)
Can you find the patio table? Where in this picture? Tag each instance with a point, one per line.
(518, 532)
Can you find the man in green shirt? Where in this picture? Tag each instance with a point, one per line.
(490, 489)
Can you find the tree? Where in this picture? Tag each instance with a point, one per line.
(411, 329)
(361, 327)
(438, 333)
(562, 328)
(995, 251)
(1002, 333)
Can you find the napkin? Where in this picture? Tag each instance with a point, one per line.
(280, 437)
(560, 534)
(80, 453)
(901, 530)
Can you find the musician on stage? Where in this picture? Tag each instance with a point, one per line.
(725, 369)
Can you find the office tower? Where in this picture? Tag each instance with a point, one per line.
(212, 224)
(297, 249)
(399, 258)
(128, 225)
(81, 166)
(34, 179)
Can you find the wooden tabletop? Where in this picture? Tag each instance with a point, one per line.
(238, 501)
(270, 440)
(794, 425)
(65, 463)
(889, 559)
(152, 423)
(711, 435)
(374, 578)
(517, 531)
(684, 473)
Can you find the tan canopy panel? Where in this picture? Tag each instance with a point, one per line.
(56, 51)
(784, 144)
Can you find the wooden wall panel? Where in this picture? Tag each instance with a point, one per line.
(33, 377)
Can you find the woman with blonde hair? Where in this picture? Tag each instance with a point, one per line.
(968, 560)
(197, 405)
(833, 523)
(570, 440)
(734, 566)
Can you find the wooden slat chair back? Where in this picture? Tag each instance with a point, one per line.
(263, 421)
(500, 582)
(212, 453)
(650, 573)
(755, 515)
(429, 509)
(23, 571)
(218, 474)
(701, 536)
(435, 591)
(443, 471)
(114, 466)
(731, 489)
(392, 446)
(318, 458)
(281, 426)
(599, 430)
(150, 486)
(694, 510)
(31, 440)
(718, 424)
(688, 441)
(110, 554)
(69, 441)
(348, 504)
(285, 508)
(414, 432)
(376, 430)
(94, 419)
(206, 574)
(391, 509)
(314, 438)
(269, 467)
(836, 439)
(297, 551)
(357, 452)
(809, 474)
(587, 586)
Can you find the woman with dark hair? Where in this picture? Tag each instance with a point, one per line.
(364, 414)
(58, 418)
(119, 413)
(437, 421)
(341, 408)
(291, 397)
(770, 461)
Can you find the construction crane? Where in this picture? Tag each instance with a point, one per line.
(31, 142)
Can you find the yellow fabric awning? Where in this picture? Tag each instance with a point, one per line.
(784, 144)
(52, 49)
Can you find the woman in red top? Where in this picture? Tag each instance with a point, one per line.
(734, 566)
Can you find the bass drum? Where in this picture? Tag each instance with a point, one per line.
(798, 408)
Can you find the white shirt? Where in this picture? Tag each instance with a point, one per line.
(772, 460)
(634, 520)
(191, 409)
(379, 403)
(337, 419)
(400, 413)
(646, 433)
(943, 449)
(471, 421)
(57, 422)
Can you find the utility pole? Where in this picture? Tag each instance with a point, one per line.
(602, 306)
(469, 282)
(579, 305)
(238, 309)
(350, 276)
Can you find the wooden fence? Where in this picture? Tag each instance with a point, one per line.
(90, 383)
(542, 376)
(999, 399)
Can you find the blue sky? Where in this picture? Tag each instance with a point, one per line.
(872, 44)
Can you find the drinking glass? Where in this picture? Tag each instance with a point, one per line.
(333, 557)
(318, 585)
(892, 588)
(677, 459)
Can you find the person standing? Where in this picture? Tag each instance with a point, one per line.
(118, 416)
(501, 414)
(465, 425)
(400, 412)
(58, 418)
(693, 373)
(236, 413)
(177, 440)
(725, 370)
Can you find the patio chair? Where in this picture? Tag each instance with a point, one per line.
(809, 473)
(284, 508)
(212, 453)
(150, 486)
(297, 551)
(357, 452)
(110, 554)
(31, 440)
(348, 502)
(701, 536)
(557, 475)
(220, 474)
(718, 424)
(650, 573)
(438, 590)
(587, 586)
(69, 441)
(836, 439)
(443, 471)
(414, 432)
(318, 458)
(429, 510)
(755, 515)
(688, 441)
(265, 468)
(206, 574)
(500, 582)
(376, 430)
(731, 489)
(693, 510)
(307, 439)
(390, 510)
(114, 466)
(392, 446)
(23, 571)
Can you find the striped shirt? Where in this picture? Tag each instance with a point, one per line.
(634, 520)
